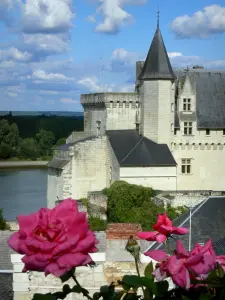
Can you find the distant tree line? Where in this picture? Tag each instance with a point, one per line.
(60, 126)
(33, 137)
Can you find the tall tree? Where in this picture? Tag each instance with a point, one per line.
(45, 141)
(9, 139)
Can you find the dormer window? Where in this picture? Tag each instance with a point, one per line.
(207, 132)
(186, 104)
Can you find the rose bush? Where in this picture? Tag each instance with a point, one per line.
(54, 241)
(58, 240)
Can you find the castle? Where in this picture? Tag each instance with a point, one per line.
(169, 134)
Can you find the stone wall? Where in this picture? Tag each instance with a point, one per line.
(97, 205)
(89, 172)
(158, 178)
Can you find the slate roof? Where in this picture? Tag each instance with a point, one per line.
(131, 149)
(6, 286)
(65, 147)
(157, 64)
(57, 163)
(208, 221)
(210, 98)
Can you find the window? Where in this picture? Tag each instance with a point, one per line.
(186, 166)
(186, 104)
(223, 131)
(207, 132)
(187, 128)
(175, 131)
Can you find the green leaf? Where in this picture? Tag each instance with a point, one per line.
(136, 281)
(149, 270)
(162, 286)
(67, 275)
(96, 296)
(77, 289)
(212, 275)
(204, 297)
(220, 271)
(66, 289)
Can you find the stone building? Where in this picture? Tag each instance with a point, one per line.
(169, 134)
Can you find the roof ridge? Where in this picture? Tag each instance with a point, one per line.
(132, 149)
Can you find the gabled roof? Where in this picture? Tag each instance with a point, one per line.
(207, 221)
(209, 87)
(132, 149)
(157, 64)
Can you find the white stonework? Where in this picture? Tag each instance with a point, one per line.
(154, 177)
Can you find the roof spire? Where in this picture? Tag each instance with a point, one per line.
(158, 12)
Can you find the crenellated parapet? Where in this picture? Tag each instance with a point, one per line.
(198, 146)
(103, 98)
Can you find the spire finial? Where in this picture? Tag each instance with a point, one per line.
(158, 12)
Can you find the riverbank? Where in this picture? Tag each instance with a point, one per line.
(23, 164)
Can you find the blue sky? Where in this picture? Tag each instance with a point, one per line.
(51, 51)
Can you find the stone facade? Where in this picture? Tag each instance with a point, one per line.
(154, 177)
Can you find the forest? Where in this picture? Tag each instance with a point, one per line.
(32, 137)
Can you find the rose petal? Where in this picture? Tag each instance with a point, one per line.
(161, 238)
(179, 230)
(157, 255)
(148, 236)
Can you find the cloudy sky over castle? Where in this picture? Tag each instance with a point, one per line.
(51, 51)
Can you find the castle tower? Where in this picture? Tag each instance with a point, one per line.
(156, 92)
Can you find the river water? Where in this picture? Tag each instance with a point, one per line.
(22, 191)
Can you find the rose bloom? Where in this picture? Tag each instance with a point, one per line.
(164, 228)
(54, 240)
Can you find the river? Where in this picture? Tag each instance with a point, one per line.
(22, 191)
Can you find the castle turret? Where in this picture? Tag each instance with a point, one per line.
(157, 92)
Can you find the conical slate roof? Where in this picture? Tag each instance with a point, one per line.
(157, 64)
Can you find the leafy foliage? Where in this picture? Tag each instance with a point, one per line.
(9, 139)
(97, 224)
(130, 203)
(3, 224)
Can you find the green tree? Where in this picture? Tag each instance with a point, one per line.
(60, 141)
(45, 141)
(3, 224)
(29, 148)
(9, 139)
(130, 203)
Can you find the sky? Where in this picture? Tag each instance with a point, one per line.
(51, 51)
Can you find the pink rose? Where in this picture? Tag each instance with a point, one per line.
(54, 240)
(164, 228)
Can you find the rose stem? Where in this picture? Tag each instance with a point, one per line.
(84, 292)
(138, 272)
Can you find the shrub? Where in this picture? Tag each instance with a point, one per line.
(84, 202)
(97, 224)
(130, 203)
(3, 224)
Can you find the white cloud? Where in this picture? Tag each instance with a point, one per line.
(91, 19)
(15, 54)
(42, 75)
(43, 92)
(47, 43)
(12, 95)
(201, 24)
(47, 16)
(69, 101)
(114, 14)
(181, 60)
(127, 88)
(174, 54)
(93, 85)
